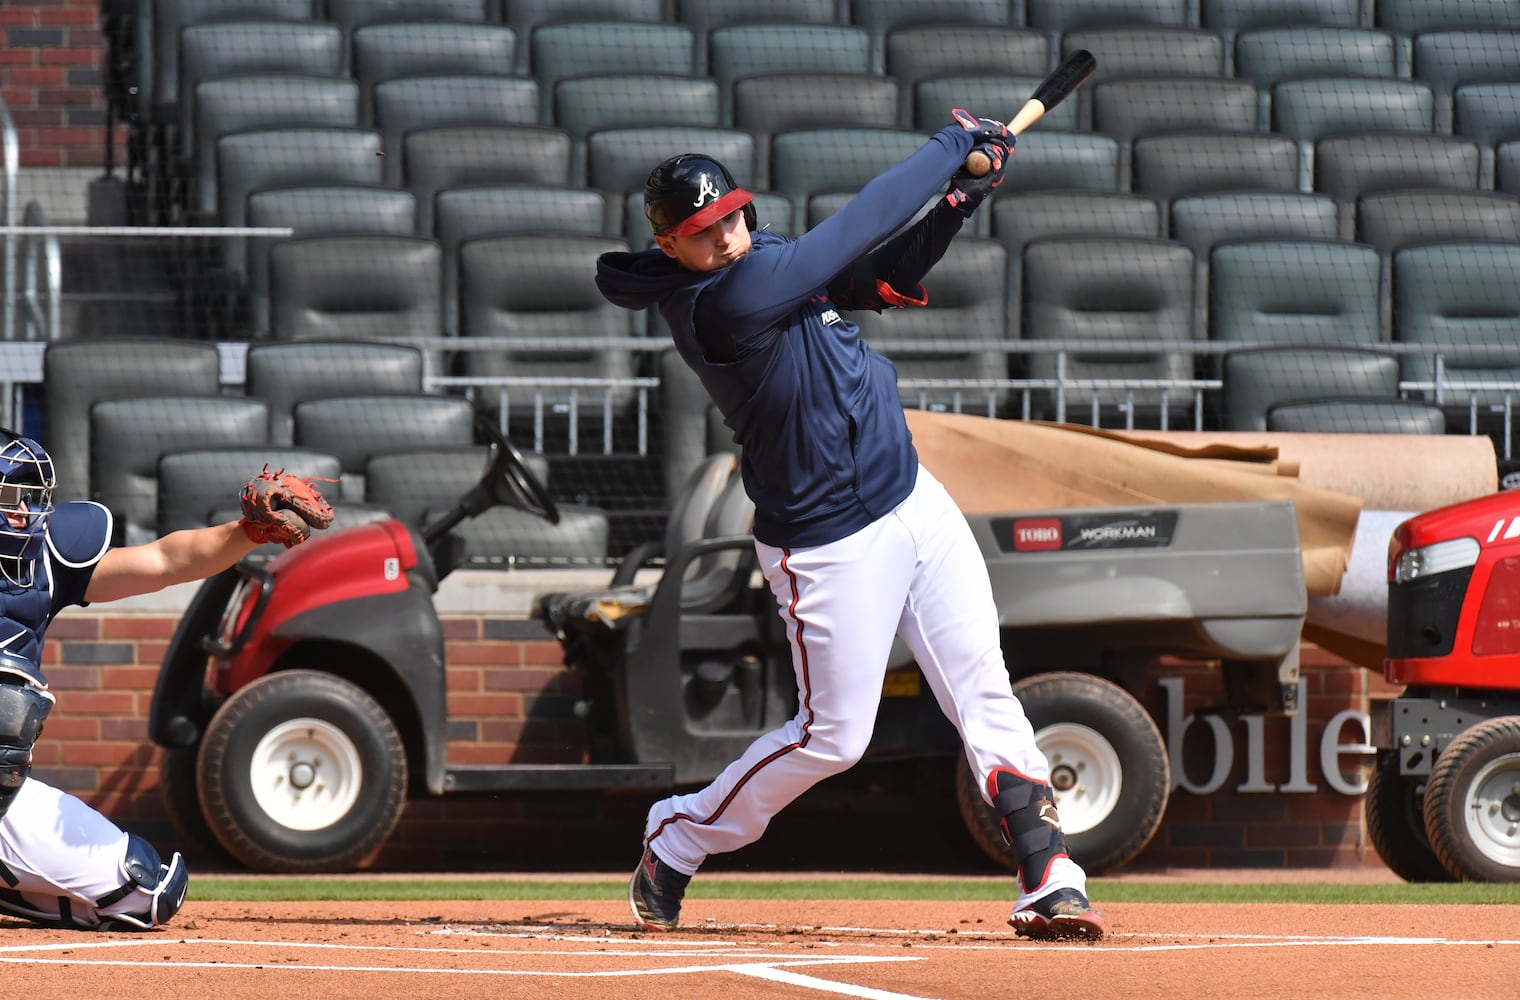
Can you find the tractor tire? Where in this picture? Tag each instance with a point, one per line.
(302, 772)
(1108, 768)
(1472, 811)
(1396, 823)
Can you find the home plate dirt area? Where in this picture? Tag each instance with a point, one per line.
(790, 949)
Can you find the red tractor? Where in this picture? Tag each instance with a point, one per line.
(1444, 801)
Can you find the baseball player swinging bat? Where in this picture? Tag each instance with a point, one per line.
(1054, 89)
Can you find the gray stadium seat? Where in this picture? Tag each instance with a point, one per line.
(603, 48)
(1507, 167)
(1018, 218)
(355, 288)
(968, 298)
(739, 50)
(1485, 113)
(1444, 59)
(880, 17)
(1233, 18)
(525, 15)
(922, 51)
(1108, 288)
(1391, 219)
(835, 160)
(1409, 18)
(1130, 109)
(1267, 56)
(1310, 110)
(409, 103)
(1461, 300)
(284, 374)
(359, 427)
(1349, 166)
(351, 14)
(247, 48)
(392, 51)
(989, 95)
(421, 486)
(1355, 415)
(1064, 161)
(553, 295)
(585, 104)
(1055, 17)
(1169, 166)
(129, 436)
(346, 210)
(449, 156)
(704, 15)
(1257, 379)
(619, 159)
(77, 373)
(195, 485)
(290, 157)
(692, 436)
(1147, 50)
(158, 32)
(255, 102)
(1295, 291)
(783, 102)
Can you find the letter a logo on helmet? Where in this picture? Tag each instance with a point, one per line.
(690, 192)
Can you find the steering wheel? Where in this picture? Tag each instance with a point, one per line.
(512, 482)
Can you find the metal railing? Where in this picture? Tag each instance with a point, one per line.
(10, 171)
(41, 278)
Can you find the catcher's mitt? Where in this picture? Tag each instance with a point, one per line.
(279, 507)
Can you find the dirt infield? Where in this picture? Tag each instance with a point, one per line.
(750, 950)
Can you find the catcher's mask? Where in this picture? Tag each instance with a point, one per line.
(27, 482)
(690, 192)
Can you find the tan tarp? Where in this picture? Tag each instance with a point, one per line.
(1007, 465)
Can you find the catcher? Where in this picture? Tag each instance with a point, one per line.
(63, 864)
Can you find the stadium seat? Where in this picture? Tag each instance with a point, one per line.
(922, 51)
(351, 14)
(78, 373)
(1507, 167)
(1389, 220)
(968, 300)
(1019, 218)
(1254, 380)
(355, 288)
(392, 51)
(1460, 300)
(783, 102)
(584, 104)
(1055, 17)
(1129, 109)
(603, 48)
(359, 427)
(1445, 59)
(554, 297)
(704, 15)
(523, 16)
(1267, 56)
(1349, 166)
(1081, 161)
(409, 103)
(129, 436)
(1309, 110)
(835, 160)
(261, 102)
(933, 98)
(1408, 18)
(1485, 113)
(196, 484)
(1147, 50)
(880, 17)
(1171, 165)
(619, 159)
(1294, 291)
(692, 437)
(1233, 18)
(346, 210)
(1109, 288)
(450, 156)
(735, 51)
(1355, 415)
(282, 374)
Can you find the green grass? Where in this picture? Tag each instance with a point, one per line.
(290, 888)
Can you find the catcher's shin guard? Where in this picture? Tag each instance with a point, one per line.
(24, 705)
(1029, 823)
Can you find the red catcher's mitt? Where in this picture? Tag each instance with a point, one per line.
(278, 507)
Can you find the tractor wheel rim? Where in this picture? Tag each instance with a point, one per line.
(306, 774)
(1085, 774)
(1492, 809)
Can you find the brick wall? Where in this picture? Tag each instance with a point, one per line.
(51, 78)
(510, 699)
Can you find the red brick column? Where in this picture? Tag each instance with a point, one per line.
(52, 69)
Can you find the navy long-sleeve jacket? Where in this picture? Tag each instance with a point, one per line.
(825, 446)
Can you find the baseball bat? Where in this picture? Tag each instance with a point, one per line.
(1054, 89)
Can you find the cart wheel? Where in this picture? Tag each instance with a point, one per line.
(1396, 823)
(1472, 803)
(1108, 768)
(302, 771)
(182, 801)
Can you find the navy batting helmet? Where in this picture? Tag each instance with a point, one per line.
(690, 192)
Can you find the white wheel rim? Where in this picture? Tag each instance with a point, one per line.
(1085, 774)
(306, 774)
(1492, 809)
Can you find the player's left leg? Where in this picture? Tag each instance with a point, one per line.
(64, 864)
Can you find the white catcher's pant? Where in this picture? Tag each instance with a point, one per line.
(917, 573)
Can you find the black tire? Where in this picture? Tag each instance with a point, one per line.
(1395, 807)
(1109, 769)
(319, 734)
(1472, 811)
(182, 801)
